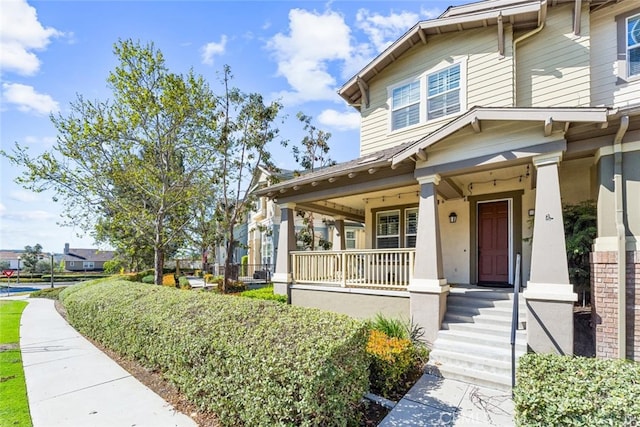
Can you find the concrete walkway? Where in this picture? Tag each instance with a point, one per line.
(435, 401)
(71, 383)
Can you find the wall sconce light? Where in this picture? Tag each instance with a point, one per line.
(532, 212)
(453, 217)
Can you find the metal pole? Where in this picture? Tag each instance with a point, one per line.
(52, 269)
(18, 279)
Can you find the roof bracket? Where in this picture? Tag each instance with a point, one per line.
(577, 17)
(475, 124)
(501, 35)
(548, 126)
(364, 91)
(422, 35)
(422, 155)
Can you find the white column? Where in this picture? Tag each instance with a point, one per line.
(286, 243)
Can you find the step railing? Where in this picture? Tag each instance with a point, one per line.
(515, 316)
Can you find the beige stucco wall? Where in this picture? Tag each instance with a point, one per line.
(360, 304)
(488, 80)
(606, 89)
(575, 180)
(553, 65)
(455, 240)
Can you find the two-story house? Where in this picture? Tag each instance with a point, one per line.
(476, 128)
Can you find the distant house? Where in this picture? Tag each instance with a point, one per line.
(85, 259)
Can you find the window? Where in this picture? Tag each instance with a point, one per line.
(350, 239)
(71, 263)
(88, 265)
(633, 45)
(405, 108)
(443, 92)
(410, 227)
(388, 229)
(267, 248)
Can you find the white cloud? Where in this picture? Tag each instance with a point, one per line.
(27, 99)
(44, 140)
(304, 54)
(30, 215)
(212, 49)
(383, 30)
(341, 120)
(23, 196)
(20, 34)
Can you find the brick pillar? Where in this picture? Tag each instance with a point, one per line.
(604, 303)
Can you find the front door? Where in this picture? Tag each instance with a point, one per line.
(493, 242)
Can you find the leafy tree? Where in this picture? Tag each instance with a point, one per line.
(43, 266)
(580, 228)
(135, 163)
(4, 264)
(313, 154)
(246, 128)
(30, 257)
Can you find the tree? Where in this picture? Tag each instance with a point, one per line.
(136, 163)
(246, 128)
(30, 257)
(4, 264)
(312, 155)
(580, 229)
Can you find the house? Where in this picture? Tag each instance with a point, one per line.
(85, 259)
(264, 226)
(476, 128)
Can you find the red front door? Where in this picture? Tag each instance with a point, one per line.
(493, 242)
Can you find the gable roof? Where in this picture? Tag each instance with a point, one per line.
(94, 255)
(475, 116)
(521, 14)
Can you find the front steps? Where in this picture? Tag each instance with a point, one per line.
(473, 344)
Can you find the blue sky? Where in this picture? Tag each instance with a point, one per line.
(298, 52)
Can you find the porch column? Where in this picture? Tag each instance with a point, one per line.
(286, 243)
(549, 294)
(338, 234)
(428, 288)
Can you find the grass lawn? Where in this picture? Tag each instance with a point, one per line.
(14, 407)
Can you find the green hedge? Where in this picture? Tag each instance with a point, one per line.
(252, 362)
(265, 293)
(576, 391)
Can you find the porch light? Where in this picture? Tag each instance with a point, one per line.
(453, 217)
(531, 212)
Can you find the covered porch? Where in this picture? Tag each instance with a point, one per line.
(452, 208)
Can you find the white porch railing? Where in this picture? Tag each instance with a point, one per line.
(371, 268)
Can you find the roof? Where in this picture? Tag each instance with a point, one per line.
(95, 255)
(475, 116)
(521, 14)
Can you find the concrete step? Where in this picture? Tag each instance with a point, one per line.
(484, 329)
(457, 337)
(473, 376)
(470, 300)
(486, 319)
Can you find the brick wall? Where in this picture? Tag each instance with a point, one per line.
(604, 302)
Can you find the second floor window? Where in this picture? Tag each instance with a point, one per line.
(443, 92)
(633, 45)
(405, 105)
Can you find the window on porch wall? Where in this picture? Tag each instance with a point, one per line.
(388, 229)
(350, 239)
(410, 227)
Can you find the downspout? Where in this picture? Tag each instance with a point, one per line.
(541, 21)
(621, 234)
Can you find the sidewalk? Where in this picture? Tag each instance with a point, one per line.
(71, 383)
(435, 401)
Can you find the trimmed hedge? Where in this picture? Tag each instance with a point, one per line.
(577, 391)
(252, 362)
(265, 293)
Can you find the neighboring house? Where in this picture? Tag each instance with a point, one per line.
(264, 227)
(473, 125)
(85, 259)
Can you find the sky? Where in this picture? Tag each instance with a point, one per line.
(297, 52)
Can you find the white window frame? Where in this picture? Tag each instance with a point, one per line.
(266, 249)
(394, 108)
(407, 234)
(634, 47)
(86, 265)
(423, 79)
(71, 263)
(350, 237)
(445, 92)
(397, 212)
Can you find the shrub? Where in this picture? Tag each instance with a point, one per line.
(183, 283)
(265, 293)
(49, 293)
(577, 391)
(209, 278)
(169, 279)
(150, 279)
(391, 327)
(391, 359)
(251, 362)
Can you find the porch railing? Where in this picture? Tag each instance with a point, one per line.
(373, 268)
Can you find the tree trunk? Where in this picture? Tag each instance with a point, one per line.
(158, 253)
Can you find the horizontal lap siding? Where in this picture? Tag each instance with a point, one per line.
(488, 81)
(553, 65)
(604, 65)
